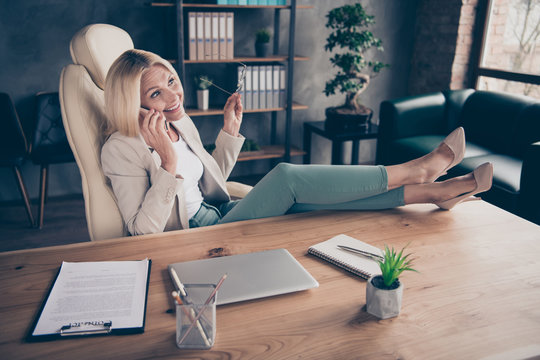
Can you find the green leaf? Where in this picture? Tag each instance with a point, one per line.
(394, 264)
(350, 34)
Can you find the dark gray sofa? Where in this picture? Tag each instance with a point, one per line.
(500, 128)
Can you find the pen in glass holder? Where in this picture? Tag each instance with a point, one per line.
(201, 311)
(191, 316)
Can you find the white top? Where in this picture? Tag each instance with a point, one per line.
(190, 167)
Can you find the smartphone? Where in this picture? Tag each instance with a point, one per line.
(166, 123)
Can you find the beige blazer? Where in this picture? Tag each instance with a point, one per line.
(151, 199)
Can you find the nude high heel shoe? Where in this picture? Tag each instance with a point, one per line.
(483, 175)
(456, 142)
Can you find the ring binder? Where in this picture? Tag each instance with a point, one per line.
(86, 328)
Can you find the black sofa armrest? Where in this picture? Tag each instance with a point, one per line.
(409, 116)
(529, 195)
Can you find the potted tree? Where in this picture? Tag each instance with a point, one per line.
(203, 82)
(262, 42)
(349, 25)
(384, 292)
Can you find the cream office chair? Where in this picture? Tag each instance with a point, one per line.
(93, 50)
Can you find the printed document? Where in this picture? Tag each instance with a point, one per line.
(93, 293)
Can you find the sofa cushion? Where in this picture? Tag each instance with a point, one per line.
(416, 146)
(489, 118)
(454, 105)
(526, 130)
(412, 114)
(506, 170)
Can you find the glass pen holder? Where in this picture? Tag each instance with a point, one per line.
(196, 320)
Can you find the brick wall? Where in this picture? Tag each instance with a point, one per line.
(443, 41)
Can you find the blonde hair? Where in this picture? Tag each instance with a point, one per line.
(123, 90)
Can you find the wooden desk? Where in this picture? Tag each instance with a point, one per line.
(477, 293)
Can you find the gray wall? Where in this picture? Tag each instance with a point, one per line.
(34, 46)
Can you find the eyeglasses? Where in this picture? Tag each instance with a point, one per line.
(241, 78)
(239, 84)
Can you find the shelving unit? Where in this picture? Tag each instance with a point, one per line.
(284, 150)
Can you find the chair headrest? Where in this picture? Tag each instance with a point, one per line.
(96, 47)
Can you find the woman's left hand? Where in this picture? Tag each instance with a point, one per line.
(233, 115)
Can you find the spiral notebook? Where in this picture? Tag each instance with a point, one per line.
(355, 263)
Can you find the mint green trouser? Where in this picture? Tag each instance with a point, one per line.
(292, 188)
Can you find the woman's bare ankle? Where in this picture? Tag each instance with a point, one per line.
(436, 192)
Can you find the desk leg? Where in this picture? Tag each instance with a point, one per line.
(307, 145)
(337, 151)
(355, 151)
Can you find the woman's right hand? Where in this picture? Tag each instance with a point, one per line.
(152, 125)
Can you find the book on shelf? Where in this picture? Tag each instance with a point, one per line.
(211, 35)
(207, 36)
(192, 30)
(215, 35)
(249, 89)
(262, 87)
(200, 35)
(255, 86)
(251, 2)
(222, 34)
(265, 87)
(230, 35)
(275, 86)
(282, 86)
(269, 94)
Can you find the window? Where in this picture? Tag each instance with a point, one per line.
(510, 53)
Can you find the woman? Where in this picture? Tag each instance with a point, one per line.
(164, 179)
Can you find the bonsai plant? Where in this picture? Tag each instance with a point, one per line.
(384, 292)
(262, 42)
(349, 24)
(203, 82)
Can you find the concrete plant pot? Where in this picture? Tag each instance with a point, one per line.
(383, 303)
(202, 99)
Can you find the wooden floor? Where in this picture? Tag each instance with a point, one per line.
(64, 223)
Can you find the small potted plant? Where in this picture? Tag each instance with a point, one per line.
(262, 42)
(384, 292)
(349, 25)
(203, 82)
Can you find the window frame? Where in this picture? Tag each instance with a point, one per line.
(483, 12)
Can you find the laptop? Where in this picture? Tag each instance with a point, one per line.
(249, 276)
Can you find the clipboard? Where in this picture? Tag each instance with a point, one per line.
(99, 325)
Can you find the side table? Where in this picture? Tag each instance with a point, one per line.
(317, 127)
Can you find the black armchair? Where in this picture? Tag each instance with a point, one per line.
(14, 147)
(49, 145)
